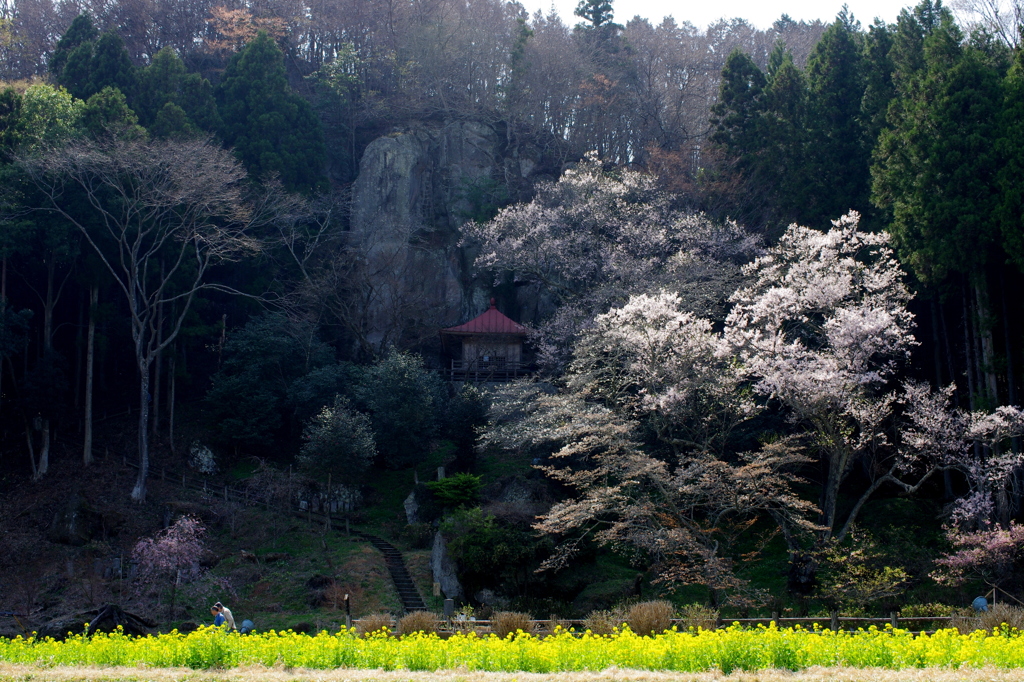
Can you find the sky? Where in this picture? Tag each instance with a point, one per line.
(758, 12)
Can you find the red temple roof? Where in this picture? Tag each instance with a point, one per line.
(492, 321)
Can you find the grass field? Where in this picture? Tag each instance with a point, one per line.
(22, 673)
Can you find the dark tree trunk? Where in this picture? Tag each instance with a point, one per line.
(139, 491)
(90, 357)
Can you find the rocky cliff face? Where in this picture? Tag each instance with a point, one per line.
(412, 193)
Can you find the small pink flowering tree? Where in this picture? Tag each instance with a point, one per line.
(986, 545)
(990, 554)
(172, 555)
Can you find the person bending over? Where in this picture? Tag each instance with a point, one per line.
(222, 616)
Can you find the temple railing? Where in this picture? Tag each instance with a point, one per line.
(487, 370)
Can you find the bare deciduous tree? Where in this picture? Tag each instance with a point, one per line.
(160, 213)
(1001, 18)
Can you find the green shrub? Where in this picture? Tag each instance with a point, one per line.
(460, 490)
(405, 403)
(338, 442)
(490, 553)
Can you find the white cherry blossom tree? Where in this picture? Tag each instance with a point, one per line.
(641, 430)
(592, 239)
(822, 329)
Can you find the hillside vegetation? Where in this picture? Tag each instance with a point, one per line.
(763, 287)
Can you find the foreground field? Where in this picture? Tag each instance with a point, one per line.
(23, 673)
(728, 650)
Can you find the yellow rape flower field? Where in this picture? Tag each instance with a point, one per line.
(765, 654)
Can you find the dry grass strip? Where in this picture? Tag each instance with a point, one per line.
(25, 673)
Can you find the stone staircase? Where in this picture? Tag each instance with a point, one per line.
(407, 592)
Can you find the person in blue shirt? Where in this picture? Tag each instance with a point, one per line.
(222, 616)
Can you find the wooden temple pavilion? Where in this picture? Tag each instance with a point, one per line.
(492, 348)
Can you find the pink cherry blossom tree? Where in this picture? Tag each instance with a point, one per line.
(991, 554)
(679, 515)
(651, 366)
(640, 429)
(171, 556)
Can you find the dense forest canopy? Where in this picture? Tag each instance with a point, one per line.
(769, 275)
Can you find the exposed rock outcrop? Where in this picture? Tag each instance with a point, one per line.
(443, 568)
(413, 192)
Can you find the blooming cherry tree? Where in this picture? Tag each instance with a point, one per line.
(678, 513)
(652, 366)
(822, 329)
(990, 554)
(589, 241)
(172, 555)
(641, 430)
(973, 444)
(657, 362)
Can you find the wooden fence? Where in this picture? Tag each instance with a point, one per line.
(832, 622)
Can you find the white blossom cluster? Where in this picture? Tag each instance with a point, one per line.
(653, 387)
(825, 321)
(974, 444)
(589, 241)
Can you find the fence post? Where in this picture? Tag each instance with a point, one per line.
(835, 620)
(328, 510)
(893, 620)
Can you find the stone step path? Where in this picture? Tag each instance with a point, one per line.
(407, 592)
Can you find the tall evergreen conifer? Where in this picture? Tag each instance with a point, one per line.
(182, 101)
(1011, 172)
(839, 149)
(936, 167)
(273, 130)
(597, 12)
(111, 67)
(785, 144)
(80, 32)
(738, 114)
